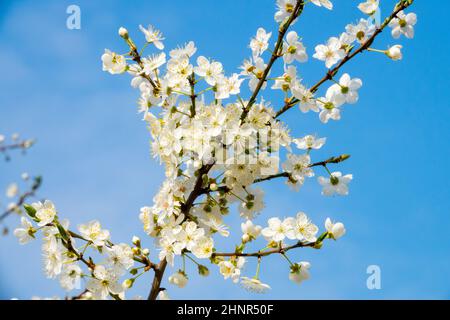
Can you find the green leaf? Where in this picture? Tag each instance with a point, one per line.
(37, 183)
(62, 232)
(30, 210)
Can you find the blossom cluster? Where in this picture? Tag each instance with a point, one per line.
(216, 146)
(67, 255)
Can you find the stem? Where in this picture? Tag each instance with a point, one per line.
(192, 95)
(376, 50)
(265, 253)
(258, 267)
(19, 145)
(287, 258)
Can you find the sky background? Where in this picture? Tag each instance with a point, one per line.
(93, 148)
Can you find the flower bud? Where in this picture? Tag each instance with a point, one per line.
(245, 238)
(395, 52)
(203, 271)
(146, 252)
(123, 32)
(335, 230)
(128, 283)
(213, 186)
(134, 271)
(136, 241)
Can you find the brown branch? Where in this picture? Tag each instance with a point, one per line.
(135, 55)
(338, 159)
(79, 296)
(23, 198)
(19, 145)
(275, 55)
(19, 203)
(156, 285)
(324, 163)
(274, 176)
(193, 96)
(332, 72)
(185, 208)
(258, 254)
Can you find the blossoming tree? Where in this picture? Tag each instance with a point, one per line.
(218, 148)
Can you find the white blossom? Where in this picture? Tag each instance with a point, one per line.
(250, 231)
(309, 142)
(254, 285)
(113, 62)
(277, 229)
(94, 233)
(369, 6)
(285, 9)
(302, 228)
(45, 212)
(331, 53)
(330, 107)
(153, 35)
(12, 190)
(26, 233)
(104, 283)
(336, 183)
(203, 248)
(179, 279)
(120, 257)
(294, 49)
(346, 90)
(232, 268)
(70, 277)
(323, 3)
(211, 71)
(403, 24)
(335, 230)
(361, 31)
(260, 42)
(300, 272)
(395, 52)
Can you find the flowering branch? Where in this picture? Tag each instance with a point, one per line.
(14, 145)
(22, 199)
(261, 253)
(19, 145)
(214, 153)
(402, 5)
(296, 12)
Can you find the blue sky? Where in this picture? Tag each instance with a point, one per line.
(93, 149)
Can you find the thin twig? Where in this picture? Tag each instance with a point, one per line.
(265, 253)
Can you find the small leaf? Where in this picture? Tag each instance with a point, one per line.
(62, 232)
(30, 210)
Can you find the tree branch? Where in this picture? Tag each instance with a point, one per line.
(267, 253)
(193, 96)
(275, 55)
(332, 72)
(185, 208)
(156, 284)
(23, 198)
